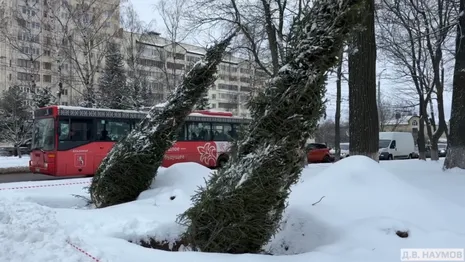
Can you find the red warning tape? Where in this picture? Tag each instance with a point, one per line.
(48, 185)
(83, 251)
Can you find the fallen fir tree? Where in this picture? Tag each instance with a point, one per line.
(241, 206)
(130, 166)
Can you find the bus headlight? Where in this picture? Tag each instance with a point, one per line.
(46, 165)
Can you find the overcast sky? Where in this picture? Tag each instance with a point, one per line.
(147, 12)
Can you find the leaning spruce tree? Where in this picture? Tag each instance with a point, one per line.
(203, 103)
(132, 163)
(241, 206)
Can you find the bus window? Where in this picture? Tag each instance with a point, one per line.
(74, 132)
(112, 129)
(197, 131)
(44, 130)
(234, 130)
(222, 131)
(182, 134)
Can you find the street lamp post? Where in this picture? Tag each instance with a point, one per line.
(379, 91)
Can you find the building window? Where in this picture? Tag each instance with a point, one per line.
(245, 79)
(177, 56)
(28, 77)
(193, 58)
(47, 78)
(414, 123)
(28, 64)
(245, 71)
(246, 89)
(228, 106)
(228, 87)
(175, 66)
(47, 65)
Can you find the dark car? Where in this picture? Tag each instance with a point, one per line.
(442, 150)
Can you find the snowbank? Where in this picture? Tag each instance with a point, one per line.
(14, 161)
(364, 203)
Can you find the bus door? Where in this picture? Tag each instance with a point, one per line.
(42, 156)
(75, 149)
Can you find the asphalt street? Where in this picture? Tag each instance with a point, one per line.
(9, 178)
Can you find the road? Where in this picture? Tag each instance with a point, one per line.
(8, 178)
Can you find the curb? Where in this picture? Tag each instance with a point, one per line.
(14, 170)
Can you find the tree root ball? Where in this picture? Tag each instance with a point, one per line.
(164, 244)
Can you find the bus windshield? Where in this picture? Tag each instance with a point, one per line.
(43, 134)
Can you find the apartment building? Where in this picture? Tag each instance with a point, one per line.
(37, 50)
(164, 62)
(53, 44)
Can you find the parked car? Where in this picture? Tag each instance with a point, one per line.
(318, 153)
(442, 149)
(394, 145)
(344, 150)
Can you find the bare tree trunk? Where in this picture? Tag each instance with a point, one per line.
(421, 135)
(456, 151)
(434, 149)
(364, 131)
(18, 151)
(337, 120)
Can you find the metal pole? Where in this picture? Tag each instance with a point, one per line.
(379, 93)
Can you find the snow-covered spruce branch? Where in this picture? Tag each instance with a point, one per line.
(131, 165)
(241, 206)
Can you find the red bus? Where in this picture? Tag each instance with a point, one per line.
(72, 141)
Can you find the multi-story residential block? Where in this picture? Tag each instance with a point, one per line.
(59, 44)
(164, 62)
(54, 44)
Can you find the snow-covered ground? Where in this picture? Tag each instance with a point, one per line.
(14, 161)
(362, 205)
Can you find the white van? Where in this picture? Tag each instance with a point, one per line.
(344, 150)
(396, 145)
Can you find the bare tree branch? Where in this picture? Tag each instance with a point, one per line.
(412, 35)
(85, 28)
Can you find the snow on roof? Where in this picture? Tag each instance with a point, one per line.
(99, 109)
(215, 113)
(161, 42)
